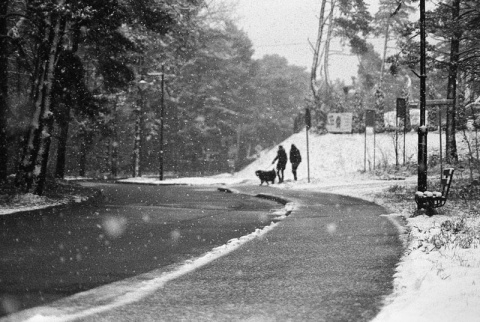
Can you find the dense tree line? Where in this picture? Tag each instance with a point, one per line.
(70, 75)
(453, 59)
(71, 102)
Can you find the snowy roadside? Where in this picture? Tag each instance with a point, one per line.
(65, 194)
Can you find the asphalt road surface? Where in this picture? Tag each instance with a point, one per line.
(53, 254)
(332, 259)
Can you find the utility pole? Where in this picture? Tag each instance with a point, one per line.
(308, 124)
(162, 119)
(162, 112)
(422, 130)
(137, 161)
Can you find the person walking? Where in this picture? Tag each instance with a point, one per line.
(282, 162)
(295, 159)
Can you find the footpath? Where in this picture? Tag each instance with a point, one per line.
(329, 258)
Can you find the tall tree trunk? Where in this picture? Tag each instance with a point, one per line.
(83, 156)
(114, 159)
(24, 174)
(63, 119)
(237, 155)
(107, 156)
(451, 143)
(3, 90)
(406, 95)
(379, 110)
(316, 84)
(111, 143)
(385, 47)
(316, 54)
(327, 44)
(62, 144)
(31, 172)
(40, 170)
(114, 148)
(86, 140)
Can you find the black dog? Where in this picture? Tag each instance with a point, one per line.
(266, 176)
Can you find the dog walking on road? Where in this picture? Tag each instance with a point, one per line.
(266, 176)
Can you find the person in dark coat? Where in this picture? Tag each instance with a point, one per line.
(282, 162)
(295, 159)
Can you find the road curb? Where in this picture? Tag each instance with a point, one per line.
(274, 198)
(227, 190)
(281, 200)
(152, 184)
(285, 202)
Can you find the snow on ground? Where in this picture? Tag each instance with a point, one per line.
(431, 284)
(213, 180)
(29, 201)
(434, 284)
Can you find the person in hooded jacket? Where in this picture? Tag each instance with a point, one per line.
(282, 162)
(295, 159)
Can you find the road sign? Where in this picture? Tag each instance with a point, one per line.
(370, 118)
(308, 118)
(443, 101)
(339, 122)
(401, 107)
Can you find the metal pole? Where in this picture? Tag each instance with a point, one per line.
(374, 147)
(404, 133)
(422, 130)
(308, 156)
(162, 107)
(396, 140)
(365, 152)
(440, 133)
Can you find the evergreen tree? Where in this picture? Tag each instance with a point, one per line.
(452, 27)
(3, 89)
(70, 32)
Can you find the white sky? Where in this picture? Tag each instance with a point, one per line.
(284, 27)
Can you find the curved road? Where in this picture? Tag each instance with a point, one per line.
(332, 259)
(52, 254)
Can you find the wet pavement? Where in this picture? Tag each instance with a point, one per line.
(51, 254)
(331, 259)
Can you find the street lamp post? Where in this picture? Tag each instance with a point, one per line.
(162, 108)
(142, 86)
(422, 130)
(162, 113)
(308, 124)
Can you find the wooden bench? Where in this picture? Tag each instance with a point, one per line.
(429, 200)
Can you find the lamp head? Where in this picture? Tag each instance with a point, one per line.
(142, 84)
